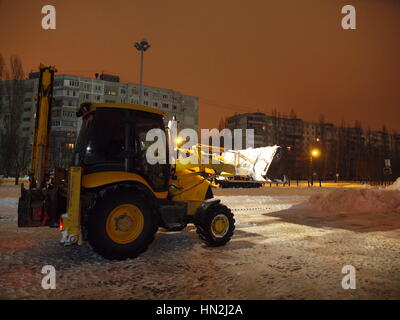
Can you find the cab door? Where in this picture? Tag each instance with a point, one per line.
(156, 174)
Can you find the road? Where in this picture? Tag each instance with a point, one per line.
(282, 249)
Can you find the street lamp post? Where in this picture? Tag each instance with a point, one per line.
(141, 46)
(314, 154)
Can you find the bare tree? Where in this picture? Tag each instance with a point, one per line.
(12, 145)
(2, 77)
(3, 100)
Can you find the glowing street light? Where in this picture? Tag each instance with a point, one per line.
(315, 153)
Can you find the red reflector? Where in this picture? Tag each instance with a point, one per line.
(61, 225)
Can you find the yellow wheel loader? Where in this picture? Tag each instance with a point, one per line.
(111, 196)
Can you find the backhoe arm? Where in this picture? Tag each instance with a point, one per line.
(37, 205)
(41, 139)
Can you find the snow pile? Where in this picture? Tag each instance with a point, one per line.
(356, 201)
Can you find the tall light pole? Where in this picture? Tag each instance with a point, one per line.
(141, 46)
(313, 154)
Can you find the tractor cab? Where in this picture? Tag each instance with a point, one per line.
(113, 139)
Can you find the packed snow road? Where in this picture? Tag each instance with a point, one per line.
(284, 247)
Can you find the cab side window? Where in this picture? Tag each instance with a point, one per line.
(157, 173)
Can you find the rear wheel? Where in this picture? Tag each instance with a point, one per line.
(215, 226)
(120, 226)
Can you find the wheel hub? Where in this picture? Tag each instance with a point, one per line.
(125, 223)
(220, 225)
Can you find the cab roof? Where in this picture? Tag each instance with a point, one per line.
(88, 107)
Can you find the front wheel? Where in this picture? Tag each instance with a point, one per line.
(215, 225)
(120, 225)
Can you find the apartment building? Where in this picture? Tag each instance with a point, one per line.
(347, 152)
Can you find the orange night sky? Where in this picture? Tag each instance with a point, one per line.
(236, 56)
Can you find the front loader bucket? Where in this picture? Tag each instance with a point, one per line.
(33, 208)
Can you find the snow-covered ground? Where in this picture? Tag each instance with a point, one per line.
(289, 243)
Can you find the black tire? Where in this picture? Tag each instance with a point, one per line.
(204, 225)
(97, 234)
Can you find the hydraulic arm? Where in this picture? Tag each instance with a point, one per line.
(37, 203)
(40, 150)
